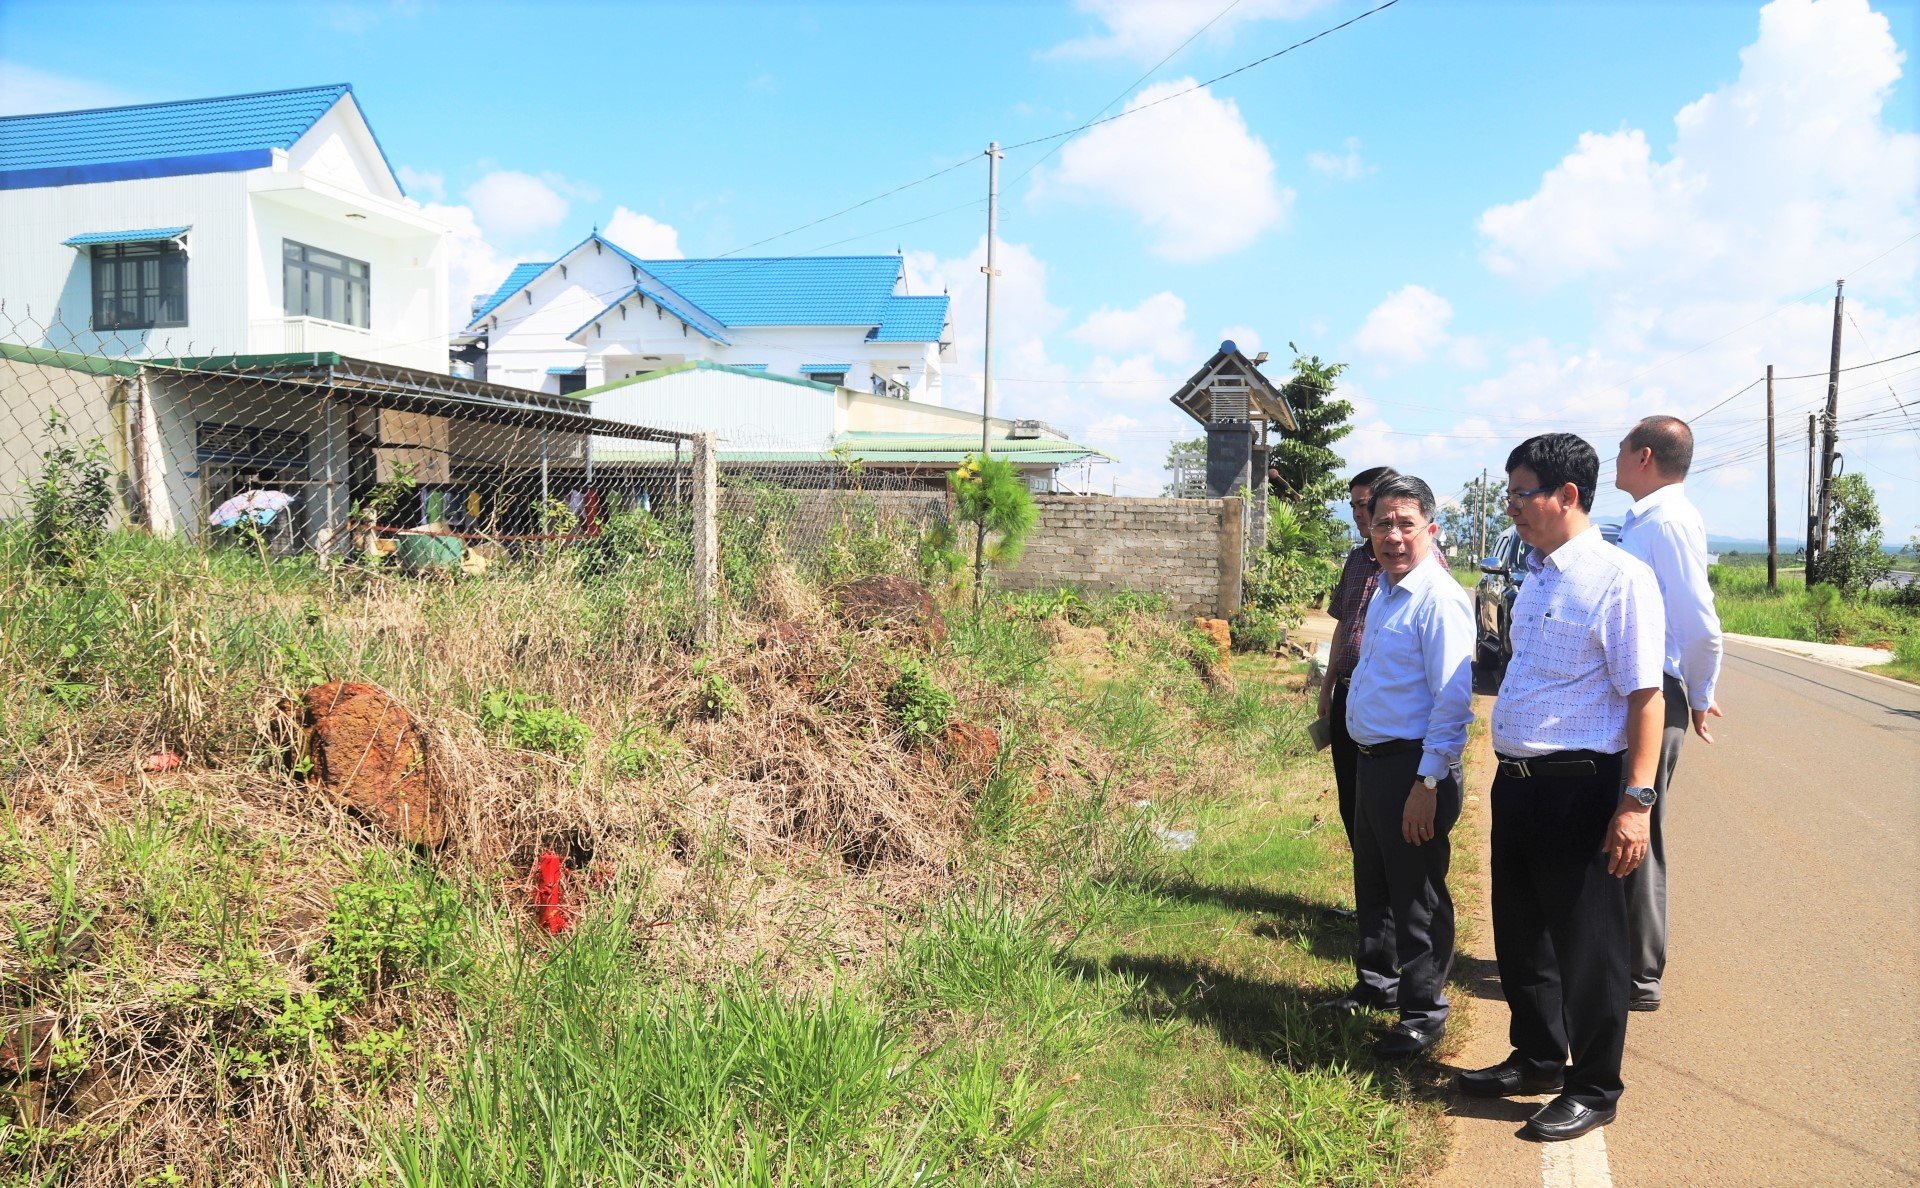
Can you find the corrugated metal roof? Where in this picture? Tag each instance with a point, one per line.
(566, 371)
(521, 276)
(960, 444)
(749, 366)
(752, 371)
(148, 235)
(825, 368)
(785, 290)
(889, 449)
(158, 139)
(912, 319)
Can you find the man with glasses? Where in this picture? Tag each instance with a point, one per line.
(1348, 606)
(1577, 732)
(1664, 530)
(1409, 706)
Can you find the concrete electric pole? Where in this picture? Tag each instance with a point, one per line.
(1830, 436)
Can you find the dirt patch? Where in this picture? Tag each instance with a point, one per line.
(970, 751)
(890, 603)
(369, 755)
(1087, 649)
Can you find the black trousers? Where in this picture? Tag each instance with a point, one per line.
(1406, 913)
(1377, 976)
(1560, 926)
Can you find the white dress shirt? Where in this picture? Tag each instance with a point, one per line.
(1415, 676)
(1588, 631)
(1666, 532)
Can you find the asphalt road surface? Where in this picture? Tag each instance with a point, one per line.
(1788, 1051)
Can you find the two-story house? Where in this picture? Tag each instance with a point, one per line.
(250, 224)
(599, 314)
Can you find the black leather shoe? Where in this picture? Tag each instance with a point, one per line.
(1404, 1042)
(1507, 1079)
(1644, 1004)
(1564, 1118)
(1352, 1002)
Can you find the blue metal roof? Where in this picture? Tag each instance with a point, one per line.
(149, 235)
(158, 139)
(521, 276)
(824, 368)
(749, 366)
(912, 319)
(785, 290)
(566, 371)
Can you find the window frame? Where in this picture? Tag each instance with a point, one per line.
(297, 257)
(171, 260)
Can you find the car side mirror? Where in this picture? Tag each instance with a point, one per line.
(1494, 566)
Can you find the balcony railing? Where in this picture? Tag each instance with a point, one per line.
(274, 336)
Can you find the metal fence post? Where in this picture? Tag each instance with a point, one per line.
(706, 540)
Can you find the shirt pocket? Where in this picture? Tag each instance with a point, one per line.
(1565, 646)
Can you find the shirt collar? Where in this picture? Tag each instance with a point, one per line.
(1416, 579)
(1657, 498)
(1564, 556)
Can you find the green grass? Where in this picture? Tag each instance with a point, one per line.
(1792, 611)
(1061, 989)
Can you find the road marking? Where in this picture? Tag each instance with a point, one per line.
(1577, 1163)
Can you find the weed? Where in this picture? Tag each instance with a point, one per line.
(381, 930)
(534, 726)
(71, 500)
(921, 707)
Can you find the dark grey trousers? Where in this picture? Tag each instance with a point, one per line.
(1400, 890)
(1647, 886)
(1375, 978)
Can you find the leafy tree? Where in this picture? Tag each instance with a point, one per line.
(1480, 505)
(1855, 560)
(1185, 459)
(1306, 471)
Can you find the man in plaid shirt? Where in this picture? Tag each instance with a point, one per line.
(1348, 606)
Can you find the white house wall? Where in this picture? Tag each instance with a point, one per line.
(746, 412)
(529, 329)
(48, 287)
(340, 148)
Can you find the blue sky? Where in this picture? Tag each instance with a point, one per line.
(1505, 216)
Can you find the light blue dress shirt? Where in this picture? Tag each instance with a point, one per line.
(1588, 632)
(1415, 676)
(1665, 531)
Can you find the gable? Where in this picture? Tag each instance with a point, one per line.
(340, 148)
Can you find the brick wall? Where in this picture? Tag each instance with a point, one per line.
(1187, 549)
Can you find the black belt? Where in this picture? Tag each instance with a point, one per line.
(1393, 746)
(1560, 763)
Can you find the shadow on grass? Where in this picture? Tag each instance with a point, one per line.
(1310, 924)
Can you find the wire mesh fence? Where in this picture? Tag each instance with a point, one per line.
(282, 480)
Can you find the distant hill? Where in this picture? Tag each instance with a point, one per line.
(1730, 544)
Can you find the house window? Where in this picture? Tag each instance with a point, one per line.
(828, 377)
(573, 381)
(137, 286)
(326, 285)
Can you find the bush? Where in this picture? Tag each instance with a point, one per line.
(71, 501)
(533, 726)
(922, 707)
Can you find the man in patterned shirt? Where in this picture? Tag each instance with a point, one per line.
(1348, 606)
(1577, 721)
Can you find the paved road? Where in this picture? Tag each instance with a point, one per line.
(1789, 1049)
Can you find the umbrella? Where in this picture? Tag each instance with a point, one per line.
(258, 507)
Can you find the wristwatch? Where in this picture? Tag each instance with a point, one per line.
(1431, 782)
(1646, 796)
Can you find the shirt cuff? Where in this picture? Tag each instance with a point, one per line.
(1435, 764)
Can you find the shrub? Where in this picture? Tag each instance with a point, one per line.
(922, 708)
(71, 500)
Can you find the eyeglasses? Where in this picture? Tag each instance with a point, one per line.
(1514, 497)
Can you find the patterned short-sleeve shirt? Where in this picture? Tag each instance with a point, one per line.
(1359, 577)
(1588, 631)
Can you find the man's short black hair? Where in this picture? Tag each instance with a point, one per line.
(1671, 441)
(1370, 476)
(1403, 486)
(1558, 459)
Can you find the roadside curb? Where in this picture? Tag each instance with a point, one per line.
(1804, 650)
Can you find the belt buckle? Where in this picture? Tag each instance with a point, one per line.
(1525, 771)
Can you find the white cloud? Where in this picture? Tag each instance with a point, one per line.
(1188, 169)
(1696, 259)
(27, 89)
(1157, 326)
(1406, 327)
(1149, 29)
(511, 204)
(474, 265)
(421, 183)
(1345, 165)
(643, 235)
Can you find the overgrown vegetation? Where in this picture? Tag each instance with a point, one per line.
(1887, 617)
(808, 948)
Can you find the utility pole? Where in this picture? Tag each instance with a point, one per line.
(1830, 436)
(1806, 574)
(1773, 521)
(986, 363)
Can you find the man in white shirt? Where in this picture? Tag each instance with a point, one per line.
(1577, 732)
(1408, 710)
(1664, 530)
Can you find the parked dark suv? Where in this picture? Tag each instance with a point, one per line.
(1502, 573)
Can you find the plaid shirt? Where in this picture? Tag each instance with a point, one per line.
(1348, 605)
